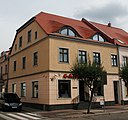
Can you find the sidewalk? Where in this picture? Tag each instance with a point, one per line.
(70, 113)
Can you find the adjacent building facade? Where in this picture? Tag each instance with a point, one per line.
(45, 48)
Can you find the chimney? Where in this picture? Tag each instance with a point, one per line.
(109, 24)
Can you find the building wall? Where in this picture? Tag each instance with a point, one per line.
(123, 51)
(74, 47)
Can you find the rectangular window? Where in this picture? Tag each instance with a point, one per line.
(14, 88)
(29, 36)
(64, 87)
(36, 35)
(6, 69)
(114, 60)
(23, 89)
(35, 58)
(82, 57)
(23, 62)
(14, 68)
(96, 58)
(125, 61)
(99, 89)
(35, 89)
(20, 42)
(63, 55)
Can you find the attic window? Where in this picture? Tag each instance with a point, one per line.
(98, 38)
(68, 31)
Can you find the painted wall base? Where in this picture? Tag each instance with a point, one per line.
(81, 105)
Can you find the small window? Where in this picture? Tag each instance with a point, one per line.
(96, 58)
(23, 62)
(14, 88)
(98, 38)
(82, 57)
(23, 89)
(68, 31)
(63, 55)
(64, 87)
(15, 47)
(35, 58)
(35, 89)
(29, 36)
(20, 42)
(36, 35)
(124, 61)
(114, 60)
(14, 66)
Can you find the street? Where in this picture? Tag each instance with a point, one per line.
(20, 116)
(111, 113)
(113, 116)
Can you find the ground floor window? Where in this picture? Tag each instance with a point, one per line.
(64, 87)
(23, 89)
(99, 90)
(35, 89)
(14, 88)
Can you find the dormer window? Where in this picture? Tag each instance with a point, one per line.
(98, 38)
(68, 31)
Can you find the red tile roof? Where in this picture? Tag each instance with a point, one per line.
(52, 23)
(120, 36)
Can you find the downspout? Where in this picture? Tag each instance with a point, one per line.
(7, 75)
(121, 89)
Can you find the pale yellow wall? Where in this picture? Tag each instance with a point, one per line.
(40, 45)
(53, 90)
(43, 88)
(105, 53)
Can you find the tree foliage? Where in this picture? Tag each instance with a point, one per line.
(124, 74)
(91, 74)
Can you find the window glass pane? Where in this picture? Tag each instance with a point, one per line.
(95, 37)
(82, 57)
(101, 39)
(23, 89)
(35, 89)
(64, 32)
(96, 58)
(63, 55)
(14, 88)
(71, 33)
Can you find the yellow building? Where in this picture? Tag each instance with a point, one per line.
(41, 56)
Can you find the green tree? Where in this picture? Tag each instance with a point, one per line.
(124, 74)
(91, 74)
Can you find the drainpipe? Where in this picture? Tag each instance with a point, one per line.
(7, 75)
(121, 89)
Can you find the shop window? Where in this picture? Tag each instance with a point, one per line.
(99, 90)
(64, 87)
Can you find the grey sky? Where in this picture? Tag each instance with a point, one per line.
(14, 13)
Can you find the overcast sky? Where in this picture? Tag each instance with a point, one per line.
(14, 13)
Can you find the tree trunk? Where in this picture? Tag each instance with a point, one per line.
(90, 101)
